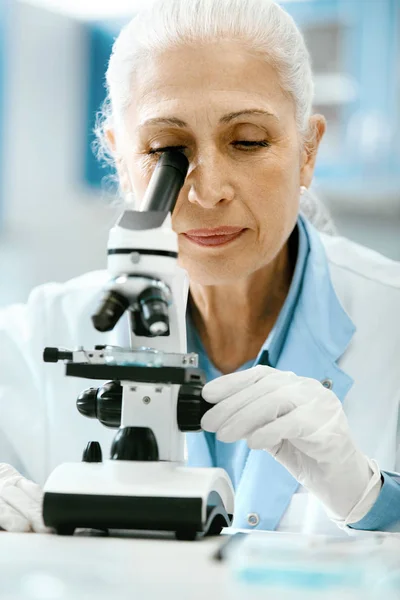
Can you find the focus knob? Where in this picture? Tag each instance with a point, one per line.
(87, 403)
(109, 404)
(104, 403)
(191, 407)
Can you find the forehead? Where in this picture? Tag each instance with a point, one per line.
(217, 77)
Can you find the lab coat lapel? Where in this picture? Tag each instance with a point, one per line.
(319, 333)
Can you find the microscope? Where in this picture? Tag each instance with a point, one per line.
(152, 390)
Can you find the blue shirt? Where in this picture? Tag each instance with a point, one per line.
(234, 457)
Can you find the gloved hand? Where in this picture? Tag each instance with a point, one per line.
(303, 425)
(20, 502)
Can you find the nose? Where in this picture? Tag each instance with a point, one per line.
(208, 181)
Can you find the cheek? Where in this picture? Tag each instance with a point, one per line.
(279, 170)
(276, 179)
(274, 199)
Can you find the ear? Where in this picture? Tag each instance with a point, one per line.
(123, 176)
(317, 127)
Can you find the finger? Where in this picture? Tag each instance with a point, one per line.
(227, 385)
(12, 520)
(269, 436)
(31, 489)
(303, 427)
(36, 519)
(35, 508)
(225, 410)
(312, 408)
(8, 475)
(30, 509)
(250, 419)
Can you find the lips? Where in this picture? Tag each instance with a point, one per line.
(214, 237)
(224, 230)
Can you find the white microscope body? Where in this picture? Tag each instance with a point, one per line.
(154, 395)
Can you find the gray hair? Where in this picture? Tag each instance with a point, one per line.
(260, 25)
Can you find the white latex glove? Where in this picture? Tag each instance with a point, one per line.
(303, 425)
(20, 502)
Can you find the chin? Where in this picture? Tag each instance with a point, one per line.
(216, 272)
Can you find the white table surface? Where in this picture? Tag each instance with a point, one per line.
(125, 565)
(50, 567)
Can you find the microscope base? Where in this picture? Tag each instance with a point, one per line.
(156, 496)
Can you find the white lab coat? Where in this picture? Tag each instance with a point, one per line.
(40, 426)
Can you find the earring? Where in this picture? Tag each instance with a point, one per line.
(303, 190)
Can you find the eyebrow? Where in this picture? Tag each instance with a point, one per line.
(174, 121)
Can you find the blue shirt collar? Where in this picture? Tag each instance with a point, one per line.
(275, 341)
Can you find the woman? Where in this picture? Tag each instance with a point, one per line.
(297, 331)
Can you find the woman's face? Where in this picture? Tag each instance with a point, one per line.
(225, 109)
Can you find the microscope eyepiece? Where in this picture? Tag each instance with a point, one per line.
(110, 311)
(175, 159)
(166, 182)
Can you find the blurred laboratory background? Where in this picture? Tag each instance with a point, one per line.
(56, 203)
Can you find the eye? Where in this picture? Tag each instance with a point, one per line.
(165, 149)
(250, 144)
(247, 145)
